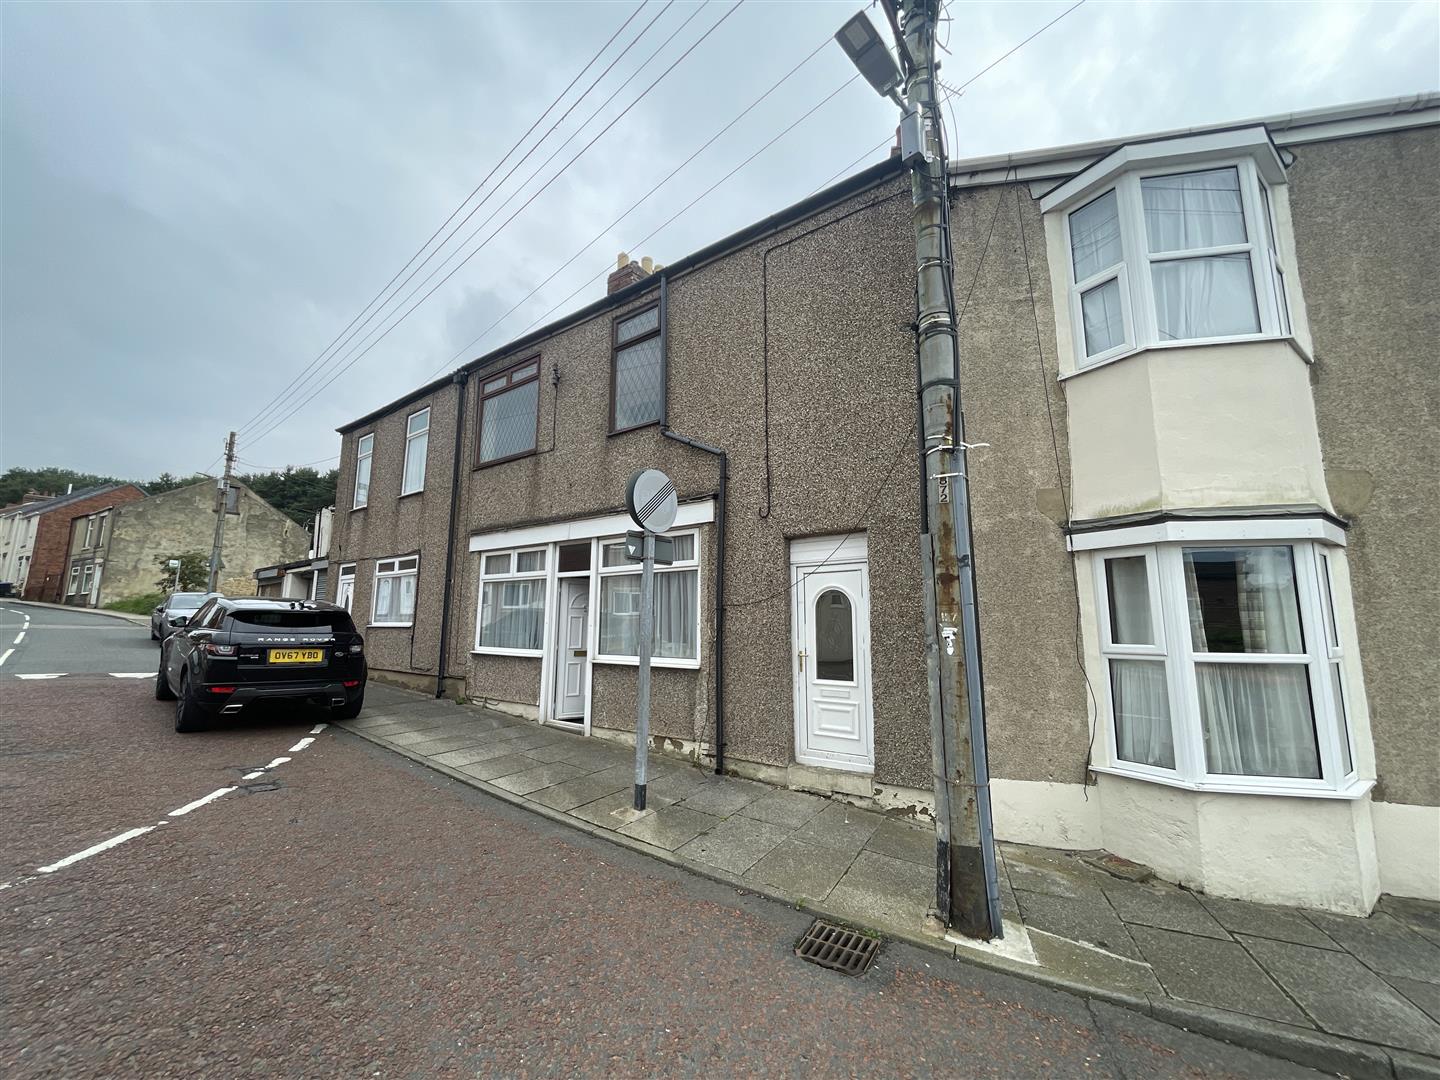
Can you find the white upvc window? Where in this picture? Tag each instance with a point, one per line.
(511, 618)
(364, 454)
(676, 604)
(345, 590)
(417, 442)
(74, 586)
(87, 578)
(1177, 254)
(90, 525)
(394, 597)
(1223, 667)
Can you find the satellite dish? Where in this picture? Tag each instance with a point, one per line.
(650, 498)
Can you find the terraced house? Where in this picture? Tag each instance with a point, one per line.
(1206, 532)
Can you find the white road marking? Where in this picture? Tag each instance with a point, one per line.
(50, 675)
(318, 728)
(5, 655)
(19, 637)
(104, 845)
(131, 674)
(301, 745)
(201, 801)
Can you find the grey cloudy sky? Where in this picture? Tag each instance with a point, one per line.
(198, 198)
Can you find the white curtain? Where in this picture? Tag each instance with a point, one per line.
(1129, 601)
(1104, 318)
(1142, 712)
(1095, 237)
(395, 598)
(1193, 210)
(415, 450)
(512, 614)
(676, 616)
(1256, 719)
(1247, 602)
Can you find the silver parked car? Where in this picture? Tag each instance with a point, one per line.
(162, 619)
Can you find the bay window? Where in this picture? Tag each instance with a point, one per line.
(1174, 254)
(512, 602)
(676, 603)
(394, 600)
(1224, 666)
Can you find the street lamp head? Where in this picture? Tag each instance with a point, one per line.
(868, 53)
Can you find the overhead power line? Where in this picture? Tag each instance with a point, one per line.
(362, 318)
(354, 359)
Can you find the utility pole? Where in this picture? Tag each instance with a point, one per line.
(222, 503)
(967, 886)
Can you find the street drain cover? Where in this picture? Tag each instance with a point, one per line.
(837, 947)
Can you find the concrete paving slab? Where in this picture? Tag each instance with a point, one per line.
(431, 747)
(724, 795)
(1087, 919)
(788, 809)
(902, 840)
(415, 737)
(1082, 965)
(675, 785)
(735, 844)
(1267, 921)
(1426, 995)
(406, 723)
(1383, 943)
(840, 825)
(485, 751)
(1345, 997)
(882, 892)
(586, 788)
(1422, 916)
(1164, 906)
(588, 753)
(801, 871)
(669, 827)
(498, 766)
(541, 776)
(1213, 972)
(612, 812)
(553, 750)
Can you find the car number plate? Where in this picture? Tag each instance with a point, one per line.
(296, 656)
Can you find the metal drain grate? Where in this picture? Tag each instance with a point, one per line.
(837, 947)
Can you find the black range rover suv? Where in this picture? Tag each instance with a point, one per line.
(235, 651)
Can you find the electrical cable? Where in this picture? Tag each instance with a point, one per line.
(278, 401)
(299, 405)
(518, 142)
(633, 207)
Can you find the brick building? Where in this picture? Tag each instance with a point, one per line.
(43, 575)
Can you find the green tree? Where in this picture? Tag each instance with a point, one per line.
(194, 571)
(169, 482)
(296, 493)
(48, 480)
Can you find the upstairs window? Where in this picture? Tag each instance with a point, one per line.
(1168, 255)
(365, 451)
(417, 442)
(509, 413)
(637, 376)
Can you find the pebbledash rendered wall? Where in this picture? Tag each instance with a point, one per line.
(183, 520)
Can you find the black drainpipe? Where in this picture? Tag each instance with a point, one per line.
(719, 534)
(460, 379)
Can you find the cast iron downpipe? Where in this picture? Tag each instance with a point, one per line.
(719, 535)
(461, 380)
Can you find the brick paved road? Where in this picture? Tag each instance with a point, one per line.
(349, 914)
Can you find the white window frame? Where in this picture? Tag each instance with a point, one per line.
(1170, 619)
(346, 576)
(87, 578)
(600, 570)
(89, 533)
(1137, 293)
(412, 437)
(364, 457)
(400, 566)
(73, 586)
(512, 557)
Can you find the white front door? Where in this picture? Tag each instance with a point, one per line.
(831, 637)
(574, 621)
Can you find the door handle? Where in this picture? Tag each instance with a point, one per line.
(801, 654)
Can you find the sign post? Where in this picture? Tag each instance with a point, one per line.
(650, 499)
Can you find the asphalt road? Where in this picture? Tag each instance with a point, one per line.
(71, 641)
(342, 912)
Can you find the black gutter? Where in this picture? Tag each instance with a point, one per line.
(719, 530)
(846, 189)
(460, 379)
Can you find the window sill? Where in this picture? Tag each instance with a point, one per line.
(491, 650)
(502, 460)
(1201, 343)
(655, 662)
(354, 509)
(391, 625)
(1351, 790)
(409, 494)
(637, 427)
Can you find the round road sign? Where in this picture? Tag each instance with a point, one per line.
(650, 498)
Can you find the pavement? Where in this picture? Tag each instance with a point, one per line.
(1350, 995)
(279, 898)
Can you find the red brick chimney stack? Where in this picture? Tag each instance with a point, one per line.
(626, 273)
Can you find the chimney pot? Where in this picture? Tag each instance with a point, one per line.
(646, 264)
(621, 261)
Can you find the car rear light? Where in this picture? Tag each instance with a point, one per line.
(222, 689)
(222, 650)
(350, 684)
(357, 648)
